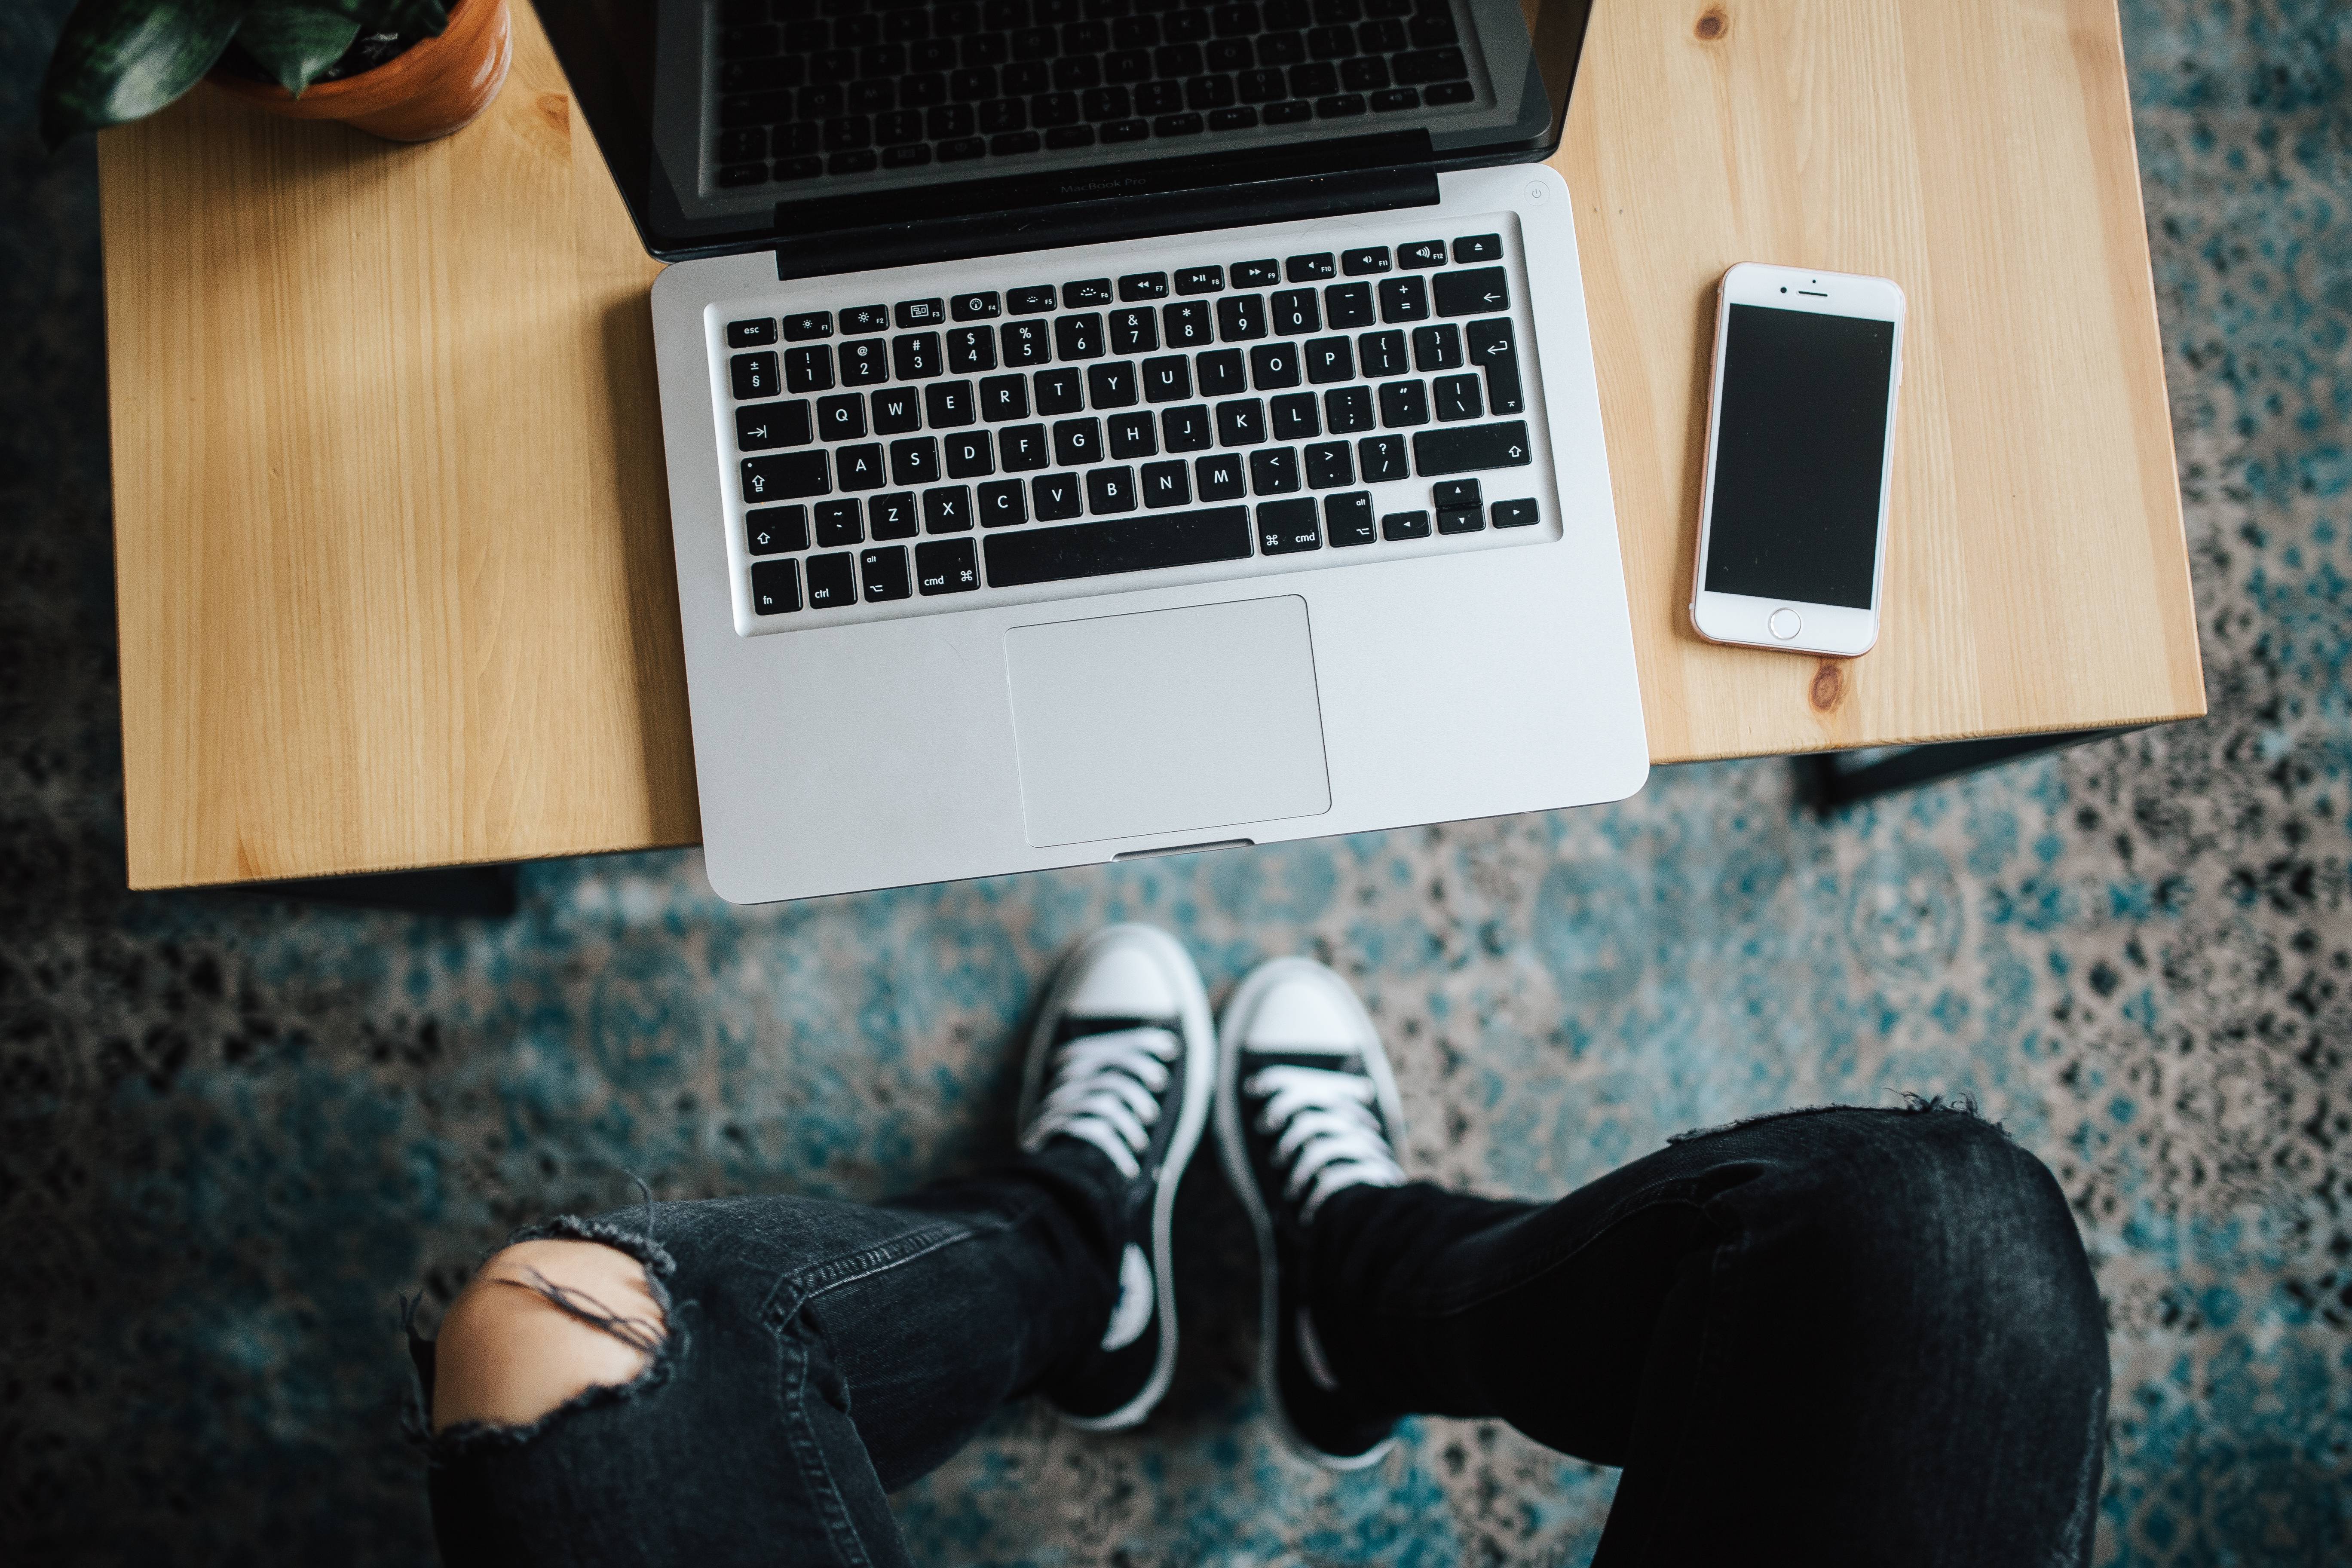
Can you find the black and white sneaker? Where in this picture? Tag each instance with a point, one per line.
(1305, 1108)
(1124, 1058)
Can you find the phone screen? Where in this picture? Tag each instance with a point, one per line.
(1800, 445)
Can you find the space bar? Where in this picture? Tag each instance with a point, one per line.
(1128, 544)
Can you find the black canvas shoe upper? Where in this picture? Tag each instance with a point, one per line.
(1121, 1065)
(1306, 1110)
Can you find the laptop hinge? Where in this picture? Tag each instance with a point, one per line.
(954, 238)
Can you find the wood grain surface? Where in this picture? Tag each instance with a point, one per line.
(393, 554)
(1978, 153)
(391, 528)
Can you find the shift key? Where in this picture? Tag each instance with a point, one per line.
(1466, 449)
(784, 477)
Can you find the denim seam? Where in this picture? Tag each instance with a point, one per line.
(847, 1545)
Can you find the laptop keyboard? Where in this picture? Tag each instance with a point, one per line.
(809, 88)
(1268, 414)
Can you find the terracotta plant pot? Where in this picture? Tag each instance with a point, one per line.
(437, 86)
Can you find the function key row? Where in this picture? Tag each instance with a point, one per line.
(761, 332)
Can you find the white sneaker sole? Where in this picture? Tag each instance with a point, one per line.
(1199, 1031)
(1239, 1009)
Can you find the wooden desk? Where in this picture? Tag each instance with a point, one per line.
(391, 544)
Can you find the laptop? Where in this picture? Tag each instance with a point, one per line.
(1108, 428)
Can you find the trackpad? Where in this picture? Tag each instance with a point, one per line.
(1167, 721)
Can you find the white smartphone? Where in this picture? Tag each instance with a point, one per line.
(1799, 453)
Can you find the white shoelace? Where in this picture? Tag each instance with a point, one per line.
(1107, 1090)
(1327, 1131)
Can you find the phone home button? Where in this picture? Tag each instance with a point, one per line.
(1785, 625)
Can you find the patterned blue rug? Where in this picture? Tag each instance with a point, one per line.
(231, 1130)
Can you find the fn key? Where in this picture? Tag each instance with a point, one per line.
(775, 586)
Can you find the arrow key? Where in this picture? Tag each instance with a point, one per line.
(1481, 291)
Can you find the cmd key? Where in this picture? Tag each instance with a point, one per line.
(1466, 449)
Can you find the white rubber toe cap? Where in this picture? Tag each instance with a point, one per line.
(1305, 1007)
(1122, 980)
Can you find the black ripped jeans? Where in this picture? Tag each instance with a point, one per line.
(1837, 1336)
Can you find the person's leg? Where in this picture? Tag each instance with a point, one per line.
(1870, 1334)
(742, 1379)
(1873, 1333)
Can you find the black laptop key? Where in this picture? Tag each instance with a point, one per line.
(915, 462)
(971, 349)
(1437, 347)
(754, 376)
(1273, 471)
(776, 530)
(1077, 442)
(946, 566)
(921, 312)
(1479, 248)
(1026, 342)
(837, 523)
(896, 410)
(893, 516)
(1294, 417)
(1167, 379)
(1167, 484)
(1184, 430)
(1457, 399)
(1256, 275)
(1403, 300)
(1491, 349)
(1347, 520)
(1219, 478)
(1450, 493)
(1404, 404)
(1132, 436)
(775, 587)
(1330, 360)
(1188, 324)
(1201, 280)
(968, 455)
(860, 467)
(1219, 374)
(1348, 305)
(1405, 525)
(1310, 268)
(1110, 386)
(1079, 337)
(841, 418)
(1347, 409)
(1003, 504)
(1461, 520)
(1059, 391)
(761, 425)
(1479, 293)
(947, 510)
(1004, 397)
(1357, 263)
(784, 477)
(949, 403)
(1274, 365)
(1286, 527)
(1092, 291)
(916, 356)
(1295, 313)
(1425, 253)
(1110, 490)
(883, 573)
(1513, 513)
(1056, 495)
(1151, 543)
(808, 368)
(863, 363)
(1240, 423)
(975, 307)
(1330, 464)
(751, 334)
(1022, 448)
(865, 319)
(1382, 458)
(1470, 448)
(1134, 330)
(1241, 317)
(832, 580)
(1144, 286)
(1030, 301)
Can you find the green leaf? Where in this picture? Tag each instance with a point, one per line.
(121, 60)
(296, 42)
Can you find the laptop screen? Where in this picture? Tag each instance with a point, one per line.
(731, 124)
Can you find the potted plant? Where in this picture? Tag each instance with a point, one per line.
(405, 70)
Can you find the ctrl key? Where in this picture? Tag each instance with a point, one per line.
(832, 580)
(946, 566)
(775, 586)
